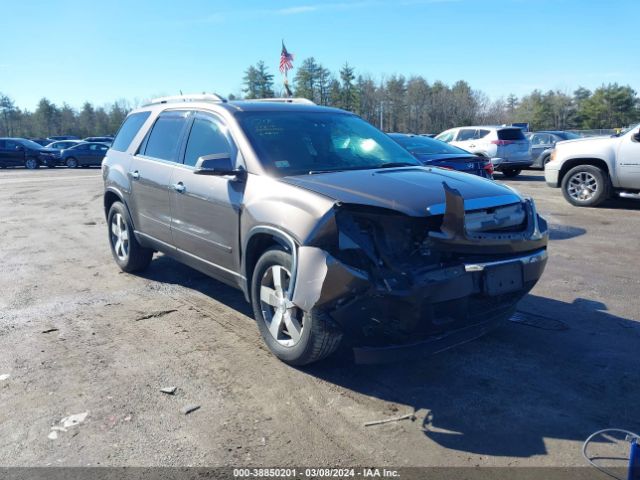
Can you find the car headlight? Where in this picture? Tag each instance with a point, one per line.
(553, 155)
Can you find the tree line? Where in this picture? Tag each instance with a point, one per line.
(411, 104)
(49, 119)
(394, 103)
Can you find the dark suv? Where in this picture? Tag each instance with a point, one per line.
(20, 152)
(331, 229)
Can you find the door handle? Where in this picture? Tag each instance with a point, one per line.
(178, 187)
(135, 175)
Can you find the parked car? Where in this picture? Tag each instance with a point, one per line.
(62, 144)
(20, 152)
(56, 138)
(107, 140)
(506, 143)
(432, 152)
(591, 170)
(542, 144)
(83, 154)
(329, 227)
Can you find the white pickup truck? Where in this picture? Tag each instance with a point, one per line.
(591, 170)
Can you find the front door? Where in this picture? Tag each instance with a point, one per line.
(11, 153)
(629, 161)
(150, 173)
(206, 207)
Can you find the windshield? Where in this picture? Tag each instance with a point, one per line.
(31, 144)
(296, 143)
(626, 130)
(427, 146)
(569, 135)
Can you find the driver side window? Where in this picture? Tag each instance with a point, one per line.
(207, 137)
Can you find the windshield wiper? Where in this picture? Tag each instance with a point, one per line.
(397, 164)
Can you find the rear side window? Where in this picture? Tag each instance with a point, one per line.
(128, 130)
(164, 140)
(511, 134)
(482, 133)
(207, 137)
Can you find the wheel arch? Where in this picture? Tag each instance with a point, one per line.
(112, 195)
(574, 162)
(259, 240)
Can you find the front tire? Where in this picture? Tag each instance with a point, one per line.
(71, 162)
(127, 252)
(31, 164)
(511, 172)
(294, 336)
(586, 186)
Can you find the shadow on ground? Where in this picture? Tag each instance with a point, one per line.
(525, 176)
(501, 395)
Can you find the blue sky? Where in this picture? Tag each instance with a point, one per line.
(71, 50)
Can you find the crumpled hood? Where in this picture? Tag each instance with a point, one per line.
(410, 190)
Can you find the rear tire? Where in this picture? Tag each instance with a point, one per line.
(31, 164)
(71, 162)
(586, 186)
(127, 252)
(511, 172)
(299, 338)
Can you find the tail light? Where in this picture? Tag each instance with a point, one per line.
(488, 167)
(502, 143)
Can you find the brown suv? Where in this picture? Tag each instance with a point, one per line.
(331, 229)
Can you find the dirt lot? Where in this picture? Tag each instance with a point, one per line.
(77, 336)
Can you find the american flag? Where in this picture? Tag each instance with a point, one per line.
(286, 60)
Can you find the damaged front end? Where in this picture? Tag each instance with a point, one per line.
(396, 283)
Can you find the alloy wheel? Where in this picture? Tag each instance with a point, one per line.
(283, 319)
(582, 186)
(31, 164)
(120, 236)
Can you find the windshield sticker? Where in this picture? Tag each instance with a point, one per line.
(282, 163)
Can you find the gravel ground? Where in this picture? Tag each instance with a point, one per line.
(85, 350)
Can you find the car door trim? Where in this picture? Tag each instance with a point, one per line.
(172, 248)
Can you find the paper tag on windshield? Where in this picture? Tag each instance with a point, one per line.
(282, 163)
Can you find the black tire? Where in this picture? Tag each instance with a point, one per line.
(596, 186)
(31, 164)
(130, 255)
(318, 337)
(71, 162)
(545, 160)
(511, 172)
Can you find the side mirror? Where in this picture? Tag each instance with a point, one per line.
(219, 164)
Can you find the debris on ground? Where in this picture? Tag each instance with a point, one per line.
(408, 416)
(4, 376)
(190, 408)
(169, 390)
(49, 330)
(67, 422)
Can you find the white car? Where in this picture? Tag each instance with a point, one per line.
(509, 144)
(590, 170)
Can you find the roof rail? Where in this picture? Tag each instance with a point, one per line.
(304, 101)
(204, 97)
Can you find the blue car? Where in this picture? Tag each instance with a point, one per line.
(435, 153)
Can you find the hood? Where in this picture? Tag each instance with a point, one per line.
(415, 191)
(436, 157)
(587, 141)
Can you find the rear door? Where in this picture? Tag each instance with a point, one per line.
(206, 208)
(539, 143)
(151, 171)
(98, 151)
